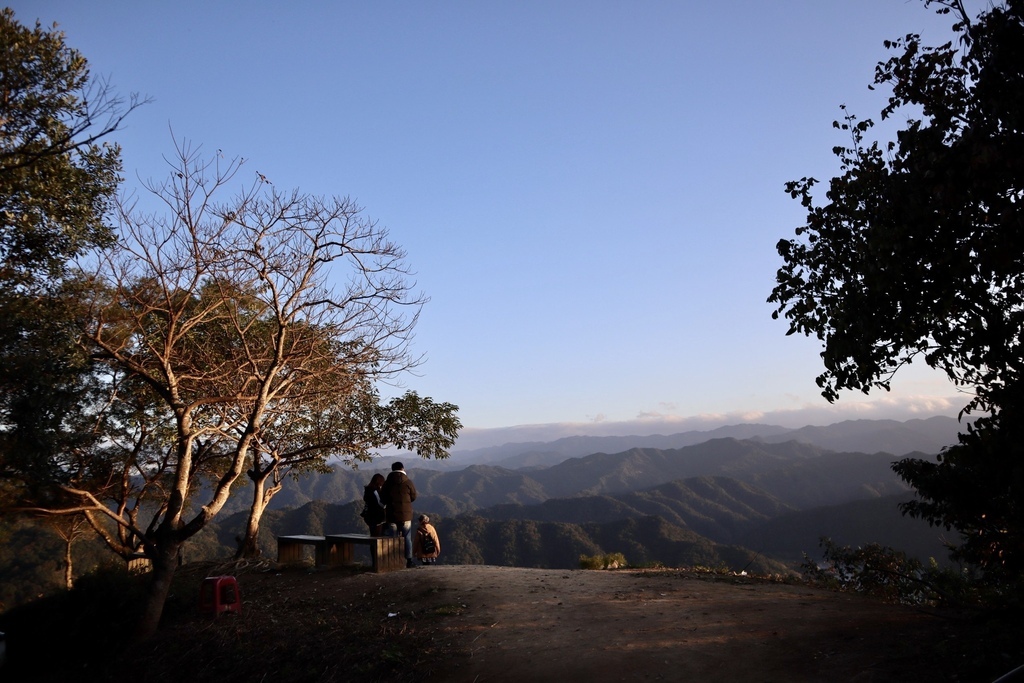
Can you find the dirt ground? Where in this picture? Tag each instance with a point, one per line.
(478, 624)
(544, 625)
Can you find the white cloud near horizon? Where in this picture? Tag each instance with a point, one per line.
(901, 409)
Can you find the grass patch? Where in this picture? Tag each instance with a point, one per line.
(448, 610)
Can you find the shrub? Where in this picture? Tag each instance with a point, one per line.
(886, 573)
(606, 561)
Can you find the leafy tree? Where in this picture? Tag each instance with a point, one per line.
(917, 252)
(57, 181)
(56, 178)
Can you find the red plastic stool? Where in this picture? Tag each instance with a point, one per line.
(219, 594)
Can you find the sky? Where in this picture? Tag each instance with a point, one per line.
(589, 192)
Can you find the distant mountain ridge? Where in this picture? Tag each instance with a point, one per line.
(926, 435)
(878, 436)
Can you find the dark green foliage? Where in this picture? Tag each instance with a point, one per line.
(469, 539)
(977, 488)
(56, 180)
(28, 563)
(650, 539)
(917, 252)
(887, 574)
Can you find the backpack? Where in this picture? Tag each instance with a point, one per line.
(428, 545)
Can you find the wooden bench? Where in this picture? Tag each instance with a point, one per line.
(289, 548)
(386, 553)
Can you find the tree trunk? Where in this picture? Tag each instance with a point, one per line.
(68, 566)
(165, 563)
(248, 544)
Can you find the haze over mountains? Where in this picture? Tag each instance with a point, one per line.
(746, 496)
(927, 435)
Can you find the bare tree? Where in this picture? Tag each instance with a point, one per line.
(70, 528)
(235, 316)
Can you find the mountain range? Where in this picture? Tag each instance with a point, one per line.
(929, 435)
(744, 496)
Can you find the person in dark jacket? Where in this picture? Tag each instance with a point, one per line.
(397, 495)
(374, 512)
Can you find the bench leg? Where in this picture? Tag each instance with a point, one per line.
(323, 553)
(336, 554)
(387, 553)
(288, 553)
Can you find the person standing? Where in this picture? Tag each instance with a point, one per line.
(374, 513)
(426, 546)
(398, 495)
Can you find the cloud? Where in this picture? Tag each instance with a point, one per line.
(646, 423)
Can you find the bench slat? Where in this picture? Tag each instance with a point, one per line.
(365, 539)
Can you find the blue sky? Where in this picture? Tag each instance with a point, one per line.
(589, 192)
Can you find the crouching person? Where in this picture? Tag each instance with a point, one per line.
(426, 546)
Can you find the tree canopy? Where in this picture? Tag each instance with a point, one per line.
(58, 179)
(57, 176)
(916, 252)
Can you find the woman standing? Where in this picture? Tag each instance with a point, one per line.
(426, 546)
(373, 513)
